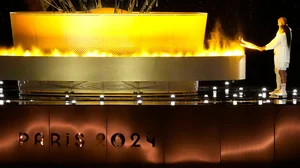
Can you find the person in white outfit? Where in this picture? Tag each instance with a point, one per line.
(281, 45)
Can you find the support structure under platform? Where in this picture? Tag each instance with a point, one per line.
(207, 68)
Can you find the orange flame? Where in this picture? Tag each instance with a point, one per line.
(218, 45)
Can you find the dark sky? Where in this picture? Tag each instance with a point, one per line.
(257, 19)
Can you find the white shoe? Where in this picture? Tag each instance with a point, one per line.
(274, 92)
(281, 93)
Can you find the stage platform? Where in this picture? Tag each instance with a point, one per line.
(217, 127)
(165, 136)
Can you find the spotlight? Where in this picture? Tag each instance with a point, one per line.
(241, 94)
(295, 101)
(226, 83)
(173, 103)
(235, 95)
(1, 90)
(268, 101)
(234, 102)
(67, 97)
(67, 103)
(215, 88)
(226, 91)
(139, 102)
(260, 102)
(1, 102)
(101, 102)
(173, 96)
(1, 82)
(73, 102)
(1, 95)
(214, 94)
(295, 92)
(138, 96)
(264, 89)
(206, 100)
(7, 101)
(101, 97)
(260, 95)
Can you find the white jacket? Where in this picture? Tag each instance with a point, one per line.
(281, 49)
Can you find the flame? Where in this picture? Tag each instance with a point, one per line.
(218, 45)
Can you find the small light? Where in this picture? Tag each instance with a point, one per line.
(31, 100)
(7, 101)
(241, 88)
(1, 90)
(226, 83)
(226, 91)
(295, 101)
(138, 96)
(241, 94)
(101, 96)
(215, 88)
(264, 89)
(42, 139)
(264, 95)
(1, 102)
(281, 102)
(235, 95)
(295, 91)
(67, 103)
(67, 96)
(260, 95)
(139, 102)
(73, 102)
(234, 102)
(101, 102)
(1, 95)
(214, 94)
(173, 103)
(268, 101)
(1, 82)
(206, 101)
(206, 96)
(172, 96)
(260, 102)
(294, 94)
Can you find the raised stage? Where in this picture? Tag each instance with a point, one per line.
(179, 136)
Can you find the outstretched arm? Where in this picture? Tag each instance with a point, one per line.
(273, 44)
(249, 45)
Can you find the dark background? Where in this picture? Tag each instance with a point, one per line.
(256, 19)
